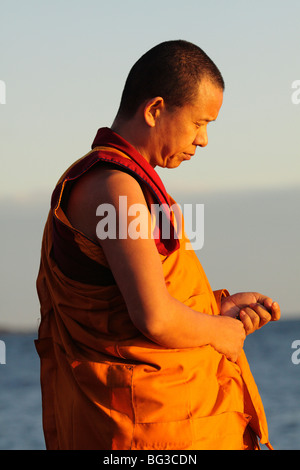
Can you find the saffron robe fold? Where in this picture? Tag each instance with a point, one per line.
(105, 386)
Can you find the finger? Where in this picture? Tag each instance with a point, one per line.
(276, 313)
(264, 300)
(254, 317)
(268, 303)
(250, 320)
(262, 312)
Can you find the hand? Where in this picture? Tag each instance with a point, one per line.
(229, 337)
(253, 309)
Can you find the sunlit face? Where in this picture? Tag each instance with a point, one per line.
(180, 131)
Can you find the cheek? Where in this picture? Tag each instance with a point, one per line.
(178, 143)
(175, 141)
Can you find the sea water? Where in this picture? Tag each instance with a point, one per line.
(269, 353)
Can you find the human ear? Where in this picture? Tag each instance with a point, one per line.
(153, 109)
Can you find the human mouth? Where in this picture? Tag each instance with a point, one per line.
(188, 156)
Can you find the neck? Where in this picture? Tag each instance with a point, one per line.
(135, 133)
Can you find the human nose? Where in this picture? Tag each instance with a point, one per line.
(201, 139)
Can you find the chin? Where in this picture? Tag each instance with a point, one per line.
(173, 163)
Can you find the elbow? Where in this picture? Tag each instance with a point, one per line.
(150, 326)
(151, 321)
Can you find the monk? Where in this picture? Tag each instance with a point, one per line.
(137, 351)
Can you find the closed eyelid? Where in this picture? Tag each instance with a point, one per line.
(204, 121)
(207, 121)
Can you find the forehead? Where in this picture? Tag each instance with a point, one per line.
(208, 100)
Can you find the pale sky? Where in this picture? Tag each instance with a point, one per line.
(64, 64)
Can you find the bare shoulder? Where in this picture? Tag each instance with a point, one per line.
(143, 289)
(100, 185)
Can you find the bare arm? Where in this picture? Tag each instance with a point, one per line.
(136, 266)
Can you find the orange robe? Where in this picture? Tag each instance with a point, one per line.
(105, 386)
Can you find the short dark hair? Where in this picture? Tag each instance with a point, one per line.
(172, 70)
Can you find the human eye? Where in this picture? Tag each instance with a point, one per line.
(203, 123)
